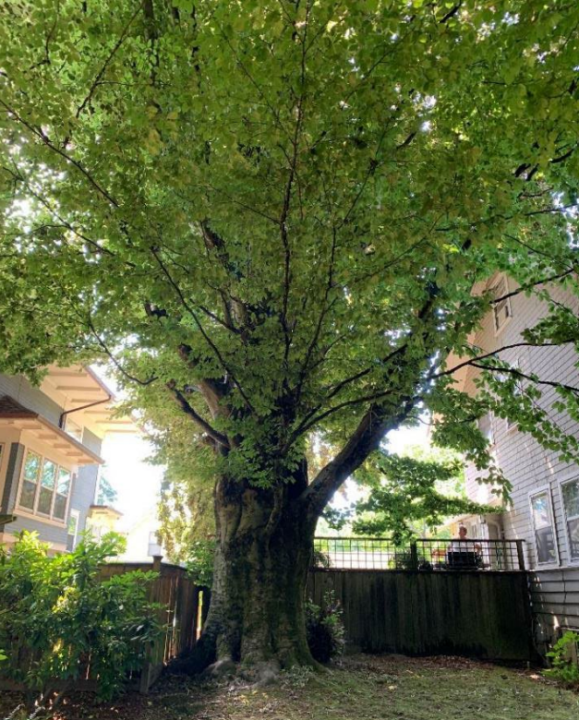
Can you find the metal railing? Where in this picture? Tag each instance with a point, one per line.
(353, 553)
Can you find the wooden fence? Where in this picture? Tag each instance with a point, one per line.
(184, 607)
(476, 614)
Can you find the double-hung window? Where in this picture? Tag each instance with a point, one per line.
(570, 494)
(544, 527)
(45, 487)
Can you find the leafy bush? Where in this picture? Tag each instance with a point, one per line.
(200, 562)
(563, 659)
(60, 621)
(325, 629)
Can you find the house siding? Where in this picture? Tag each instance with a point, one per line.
(84, 486)
(529, 466)
(555, 603)
(83, 493)
(31, 397)
(92, 441)
(47, 533)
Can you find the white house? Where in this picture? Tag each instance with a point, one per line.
(50, 443)
(544, 508)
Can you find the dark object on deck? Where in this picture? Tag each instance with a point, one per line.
(463, 560)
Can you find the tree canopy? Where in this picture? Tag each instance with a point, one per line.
(270, 215)
(288, 201)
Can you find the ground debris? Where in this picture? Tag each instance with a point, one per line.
(358, 687)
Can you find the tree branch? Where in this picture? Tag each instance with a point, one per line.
(39, 133)
(365, 439)
(529, 286)
(524, 376)
(110, 56)
(208, 340)
(181, 400)
(114, 360)
(493, 353)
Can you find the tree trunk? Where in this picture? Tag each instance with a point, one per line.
(264, 548)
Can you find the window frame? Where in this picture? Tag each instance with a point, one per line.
(575, 479)
(76, 514)
(498, 329)
(34, 512)
(3, 451)
(544, 490)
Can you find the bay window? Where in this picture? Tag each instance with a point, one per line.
(45, 487)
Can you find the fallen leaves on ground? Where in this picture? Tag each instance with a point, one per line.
(358, 687)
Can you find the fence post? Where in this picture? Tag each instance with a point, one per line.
(520, 554)
(414, 556)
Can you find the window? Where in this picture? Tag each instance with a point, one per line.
(502, 309)
(154, 547)
(570, 493)
(30, 480)
(45, 487)
(542, 517)
(72, 533)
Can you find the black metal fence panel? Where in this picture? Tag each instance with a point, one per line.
(352, 553)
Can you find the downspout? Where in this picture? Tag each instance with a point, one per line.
(61, 420)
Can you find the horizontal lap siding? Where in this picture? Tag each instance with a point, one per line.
(523, 461)
(475, 614)
(31, 397)
(555, 603)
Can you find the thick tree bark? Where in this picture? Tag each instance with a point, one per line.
(258, 596)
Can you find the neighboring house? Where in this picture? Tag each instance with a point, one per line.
(141, 538)
(50, 445)
(102, 519)
(544, 507)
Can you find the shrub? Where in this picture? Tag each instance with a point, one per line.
(200, 562)
(325, 629)
(60, 621)
(563, 659)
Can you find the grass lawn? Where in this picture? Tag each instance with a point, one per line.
(359, 687)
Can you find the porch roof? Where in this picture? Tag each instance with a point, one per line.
(13, 415)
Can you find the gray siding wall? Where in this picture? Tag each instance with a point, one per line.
(91, 441)
(525, 463)
(46, 532)
(31, 397)
(83, 492)
(555, 603)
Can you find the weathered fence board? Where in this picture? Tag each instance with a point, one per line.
(179, 599)
(478, 614)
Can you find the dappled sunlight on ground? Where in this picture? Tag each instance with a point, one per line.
(359, 687)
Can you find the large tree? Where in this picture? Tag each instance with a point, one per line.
(270, 216)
